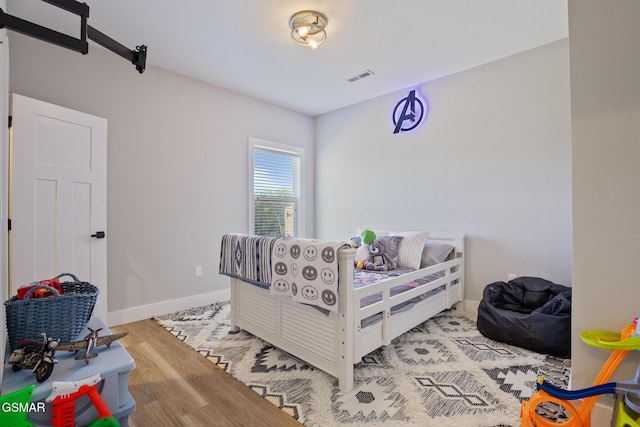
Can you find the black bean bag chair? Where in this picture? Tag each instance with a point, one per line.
(528, 312)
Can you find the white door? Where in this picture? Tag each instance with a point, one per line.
(58, 195)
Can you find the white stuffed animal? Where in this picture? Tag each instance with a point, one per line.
(364, 250)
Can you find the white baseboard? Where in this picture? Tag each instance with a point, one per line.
(471, 306)
(156, 309)
(601, 415)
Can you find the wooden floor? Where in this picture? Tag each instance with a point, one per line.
(173, 385)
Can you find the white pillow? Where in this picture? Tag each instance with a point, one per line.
(411, 247)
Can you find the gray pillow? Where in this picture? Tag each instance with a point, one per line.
(435, 253)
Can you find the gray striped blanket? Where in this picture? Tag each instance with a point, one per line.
(247, 257)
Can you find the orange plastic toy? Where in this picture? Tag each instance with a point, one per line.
(621, 344)
(63, 399)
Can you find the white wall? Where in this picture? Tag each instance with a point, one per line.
(4, 189)
(496, 141)
(605, 99)
(492, 160)
(177, 167)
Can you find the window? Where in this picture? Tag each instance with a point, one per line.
(276, 190)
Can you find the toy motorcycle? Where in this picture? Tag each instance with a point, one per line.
(35, 355)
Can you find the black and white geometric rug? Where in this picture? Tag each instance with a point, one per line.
(443, 373)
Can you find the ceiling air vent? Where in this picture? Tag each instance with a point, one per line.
(361, 75)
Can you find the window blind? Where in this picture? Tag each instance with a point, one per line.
(276, 193)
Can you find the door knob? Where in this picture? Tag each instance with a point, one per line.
(99, 235)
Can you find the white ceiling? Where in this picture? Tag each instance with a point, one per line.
(245, 45)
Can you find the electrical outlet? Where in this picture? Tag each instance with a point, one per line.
(511, 276)
(198, 270)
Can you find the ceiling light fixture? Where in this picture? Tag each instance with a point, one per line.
(307, 28)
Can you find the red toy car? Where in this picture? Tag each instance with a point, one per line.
(40, 293)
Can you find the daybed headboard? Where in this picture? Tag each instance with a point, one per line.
(452, 238)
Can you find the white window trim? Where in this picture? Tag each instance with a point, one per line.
(282, 148)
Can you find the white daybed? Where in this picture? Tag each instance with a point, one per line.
(335, 342)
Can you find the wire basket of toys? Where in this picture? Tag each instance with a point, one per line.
(59, 309)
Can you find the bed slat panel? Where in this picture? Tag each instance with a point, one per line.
(258, 311)
(309, 330)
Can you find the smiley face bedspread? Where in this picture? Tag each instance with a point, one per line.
(307, 271)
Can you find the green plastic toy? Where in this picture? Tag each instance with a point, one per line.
(18, 399)
(609, 340)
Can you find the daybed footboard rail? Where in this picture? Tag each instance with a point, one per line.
(451, 274)
(438, 295)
